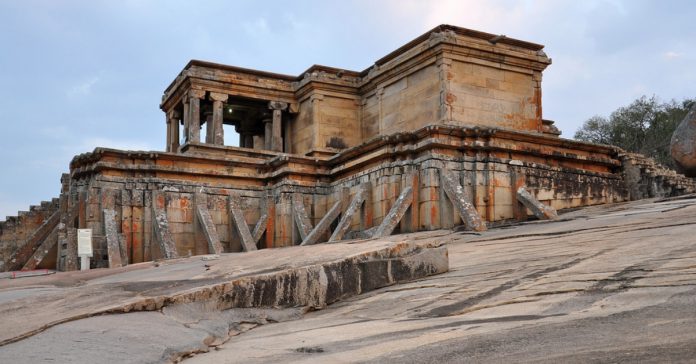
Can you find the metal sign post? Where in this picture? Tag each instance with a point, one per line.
(84, 247)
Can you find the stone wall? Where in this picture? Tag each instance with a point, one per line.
(494, 96)
(645, 178)
(16, 230)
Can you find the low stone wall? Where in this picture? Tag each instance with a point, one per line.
(15, 231)
(645, 178)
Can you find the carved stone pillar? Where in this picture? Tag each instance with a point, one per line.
(209, 127)
(218, 136)
(268, 133)
(173, 131)
(193, 117)
(276, 130)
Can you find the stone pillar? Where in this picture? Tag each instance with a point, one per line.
(246, 136)
(209, 128)
(276, 130)
(185, 101)
(268, 133)
(258, 142)
(168, 120)
(218, 137)
(246, 140)
(193, 116)
(173, 131)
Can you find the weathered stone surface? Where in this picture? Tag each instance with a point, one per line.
(164, 236)
(683, 145)
(462, 203)
(302, 221)
(43, 250)
(123, 247)
(323, 225)
(248, 243)
(645, 178)
(612, 283)
(344, 222)
(298, 276)
(395, 213)
(259, 228)
(71, 249)
(206, 222)
(540, 210)
(23, 254)
(518, 294)
(112, 241)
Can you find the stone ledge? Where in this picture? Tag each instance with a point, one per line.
(303, 276)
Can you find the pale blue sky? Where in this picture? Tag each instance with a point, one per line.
(79, 74)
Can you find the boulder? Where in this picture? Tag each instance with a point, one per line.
(683, 146)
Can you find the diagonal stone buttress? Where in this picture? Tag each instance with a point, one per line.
(160, 224)
(304, 224)
(323, 225)
(23, 254)
(396, 213)
(260, 227)
(466, 209)
(124, 248)
(43, 249)
(353, 208)
(206, 221)
(237, 217)
(541, 211)
(113, 246)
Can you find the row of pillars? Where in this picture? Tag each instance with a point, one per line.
(273, 137)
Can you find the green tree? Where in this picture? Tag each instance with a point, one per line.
(645, 126)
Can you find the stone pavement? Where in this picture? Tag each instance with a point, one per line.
(610, 283)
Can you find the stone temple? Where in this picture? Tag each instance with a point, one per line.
(446, 130)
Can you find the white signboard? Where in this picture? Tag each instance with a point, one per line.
(84, 242)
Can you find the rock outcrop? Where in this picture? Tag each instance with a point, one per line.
(683, 146)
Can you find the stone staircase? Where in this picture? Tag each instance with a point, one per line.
(646, 178)
(17, 231)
